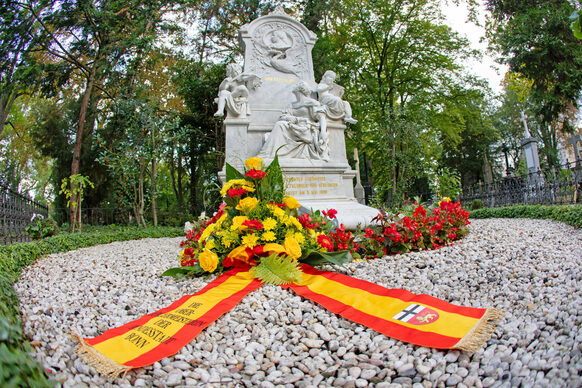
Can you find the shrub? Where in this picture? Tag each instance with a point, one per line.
(476, 204)
(569, 214)
(17, 367)
(41, 228)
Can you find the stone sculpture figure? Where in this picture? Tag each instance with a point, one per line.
(330, 96)
(299, 129)
(233, 92)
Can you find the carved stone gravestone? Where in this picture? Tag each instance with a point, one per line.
(273, 105)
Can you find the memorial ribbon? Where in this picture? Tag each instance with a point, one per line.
(418, 319)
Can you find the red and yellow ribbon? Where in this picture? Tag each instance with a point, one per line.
(418, 319)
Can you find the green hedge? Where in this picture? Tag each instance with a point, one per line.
(569, 214)
(17, 367)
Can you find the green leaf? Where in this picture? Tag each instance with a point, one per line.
(232, 173)
(180, 272)
(278, 270)
(273, 186)
(576, 28)
(339, 258)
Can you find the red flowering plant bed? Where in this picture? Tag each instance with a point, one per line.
(423, 229)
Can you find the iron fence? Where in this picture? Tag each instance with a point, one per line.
(96, 216)
(16, 213)
(562, 186)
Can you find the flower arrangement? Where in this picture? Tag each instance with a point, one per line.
(400, 233)
(257, 226)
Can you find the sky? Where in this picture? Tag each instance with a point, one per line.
(456, 18)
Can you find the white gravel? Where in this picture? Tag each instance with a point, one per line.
(274, 338)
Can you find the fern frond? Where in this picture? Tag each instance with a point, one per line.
(278, 270)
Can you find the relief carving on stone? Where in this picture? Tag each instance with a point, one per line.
(279, 46)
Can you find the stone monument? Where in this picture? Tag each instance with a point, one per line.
(274, 105)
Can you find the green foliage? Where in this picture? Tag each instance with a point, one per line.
(180, 272)
(41, 228)
(449, 183)
(402, 72)
(340, 258)
(273, 186)
(17, 367)
(232, 173)
(535, 39)
(569, 214)
(576, 19)
(275, 269)
(476, 204)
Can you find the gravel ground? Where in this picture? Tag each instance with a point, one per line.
(529, 268)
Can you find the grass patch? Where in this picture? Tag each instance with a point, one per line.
(17, 366)
(569, 214)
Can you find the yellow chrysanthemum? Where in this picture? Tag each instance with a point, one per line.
(237, 223)
(207, 232)
(268, 236)
(292, 247)
(210, 244)
(276, 210)
(254, 163)
(299, 237)
(221, 220)
(250, 240)
(247, 204)
(291, 202)
(269, 223)
(295, 222)
(226, 242)
(208, 260)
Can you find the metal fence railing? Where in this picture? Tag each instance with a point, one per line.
(17, 211)
(541, 187)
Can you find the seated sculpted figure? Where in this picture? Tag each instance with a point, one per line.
(298, 130)
(330, 96)
(233, 92)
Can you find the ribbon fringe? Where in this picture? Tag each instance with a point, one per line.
(478, 336)
(108, 368)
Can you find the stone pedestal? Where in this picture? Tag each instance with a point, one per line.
(530, 149)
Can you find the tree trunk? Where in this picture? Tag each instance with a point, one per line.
(75, 165)
(154, 191)
(6, 102)
(141, 200)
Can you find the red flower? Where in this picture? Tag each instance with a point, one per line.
(280, 205)
(330, 213)
(236, 192)
(253, 224)
(325, 242)
(256, 174)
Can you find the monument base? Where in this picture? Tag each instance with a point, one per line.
(349, 212)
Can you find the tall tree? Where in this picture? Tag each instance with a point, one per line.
(535, 40)
(402, 69)
(94, 39)
(19, 68)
